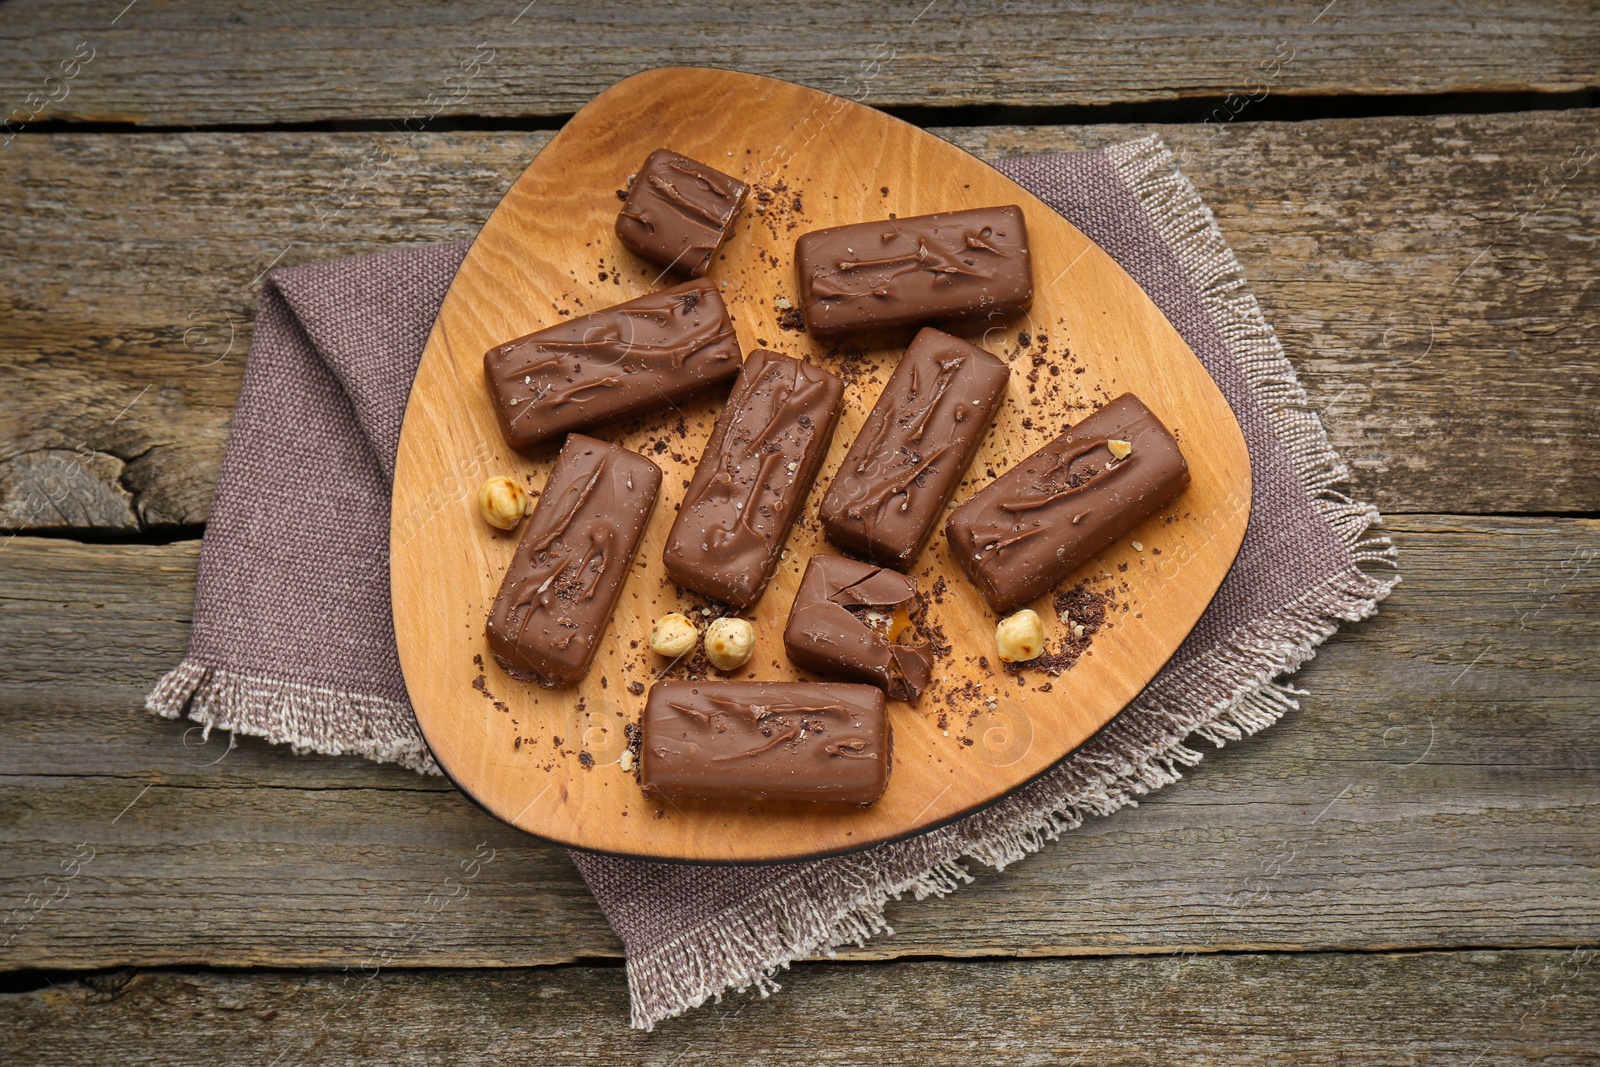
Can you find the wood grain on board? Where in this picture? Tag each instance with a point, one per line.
(1535, 1007)
(135, 262)
(1436, 788)
(191, 63)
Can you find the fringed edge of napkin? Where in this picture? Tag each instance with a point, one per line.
(1225, 696)
(308, 718)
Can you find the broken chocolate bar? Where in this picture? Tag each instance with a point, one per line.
(1047, 516)
(903, 272)
(610, 364)
(679, 211)
(562, 586)
(765, 741)
(852, 620)
(927, 425)
(753, 478)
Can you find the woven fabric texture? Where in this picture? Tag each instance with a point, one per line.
(293, 639)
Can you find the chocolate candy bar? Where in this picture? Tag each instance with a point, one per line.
(610, 364)
(892, 488)
(679, 212)
(765, 741)
(901, 272)
(753, 478)
(568, 570)
(1042, 519)
(852, 620)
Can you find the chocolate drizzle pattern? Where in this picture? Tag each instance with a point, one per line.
(1030, 528)
(765, 741)
(852, 620)
(872, 277)
(561, 588)
(928, 268)
(611, 364)
(679, 212)
(753, 478)
(892, 488)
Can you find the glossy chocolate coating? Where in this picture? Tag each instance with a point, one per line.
(753, 478)
(765, 741)
(610, 364)
(562, 586)
(1042, 519)
(927, 425)
(679, 212)
(842, 621)
(902, 272)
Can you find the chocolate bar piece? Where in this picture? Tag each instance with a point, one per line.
(753, 478)
(927, 425)
(610, 364)
(765, 741)
(569, 568)
(901, 272)
(679, 212)
(853, 620)
(1045, 517)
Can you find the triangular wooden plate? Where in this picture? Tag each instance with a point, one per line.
(547, 761)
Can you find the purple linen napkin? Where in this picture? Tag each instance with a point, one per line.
(293, 639)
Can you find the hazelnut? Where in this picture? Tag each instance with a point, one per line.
(729, 643)
(1019, 637)
(673, 635)
(1120, 449)
(503, 503)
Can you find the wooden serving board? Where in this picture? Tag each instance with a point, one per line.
(550, 761)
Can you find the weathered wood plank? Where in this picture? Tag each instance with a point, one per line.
(191, 63)
(1438, 788)
(133, 264)
(1456, 1007)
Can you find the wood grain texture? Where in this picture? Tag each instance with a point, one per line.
(1438, 787)
(548, 253)
(191, 63)
(1440, 1007)
(133, 263)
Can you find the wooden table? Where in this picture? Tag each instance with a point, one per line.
(1403, 871)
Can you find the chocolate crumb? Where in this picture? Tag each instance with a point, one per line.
(1080, 606)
